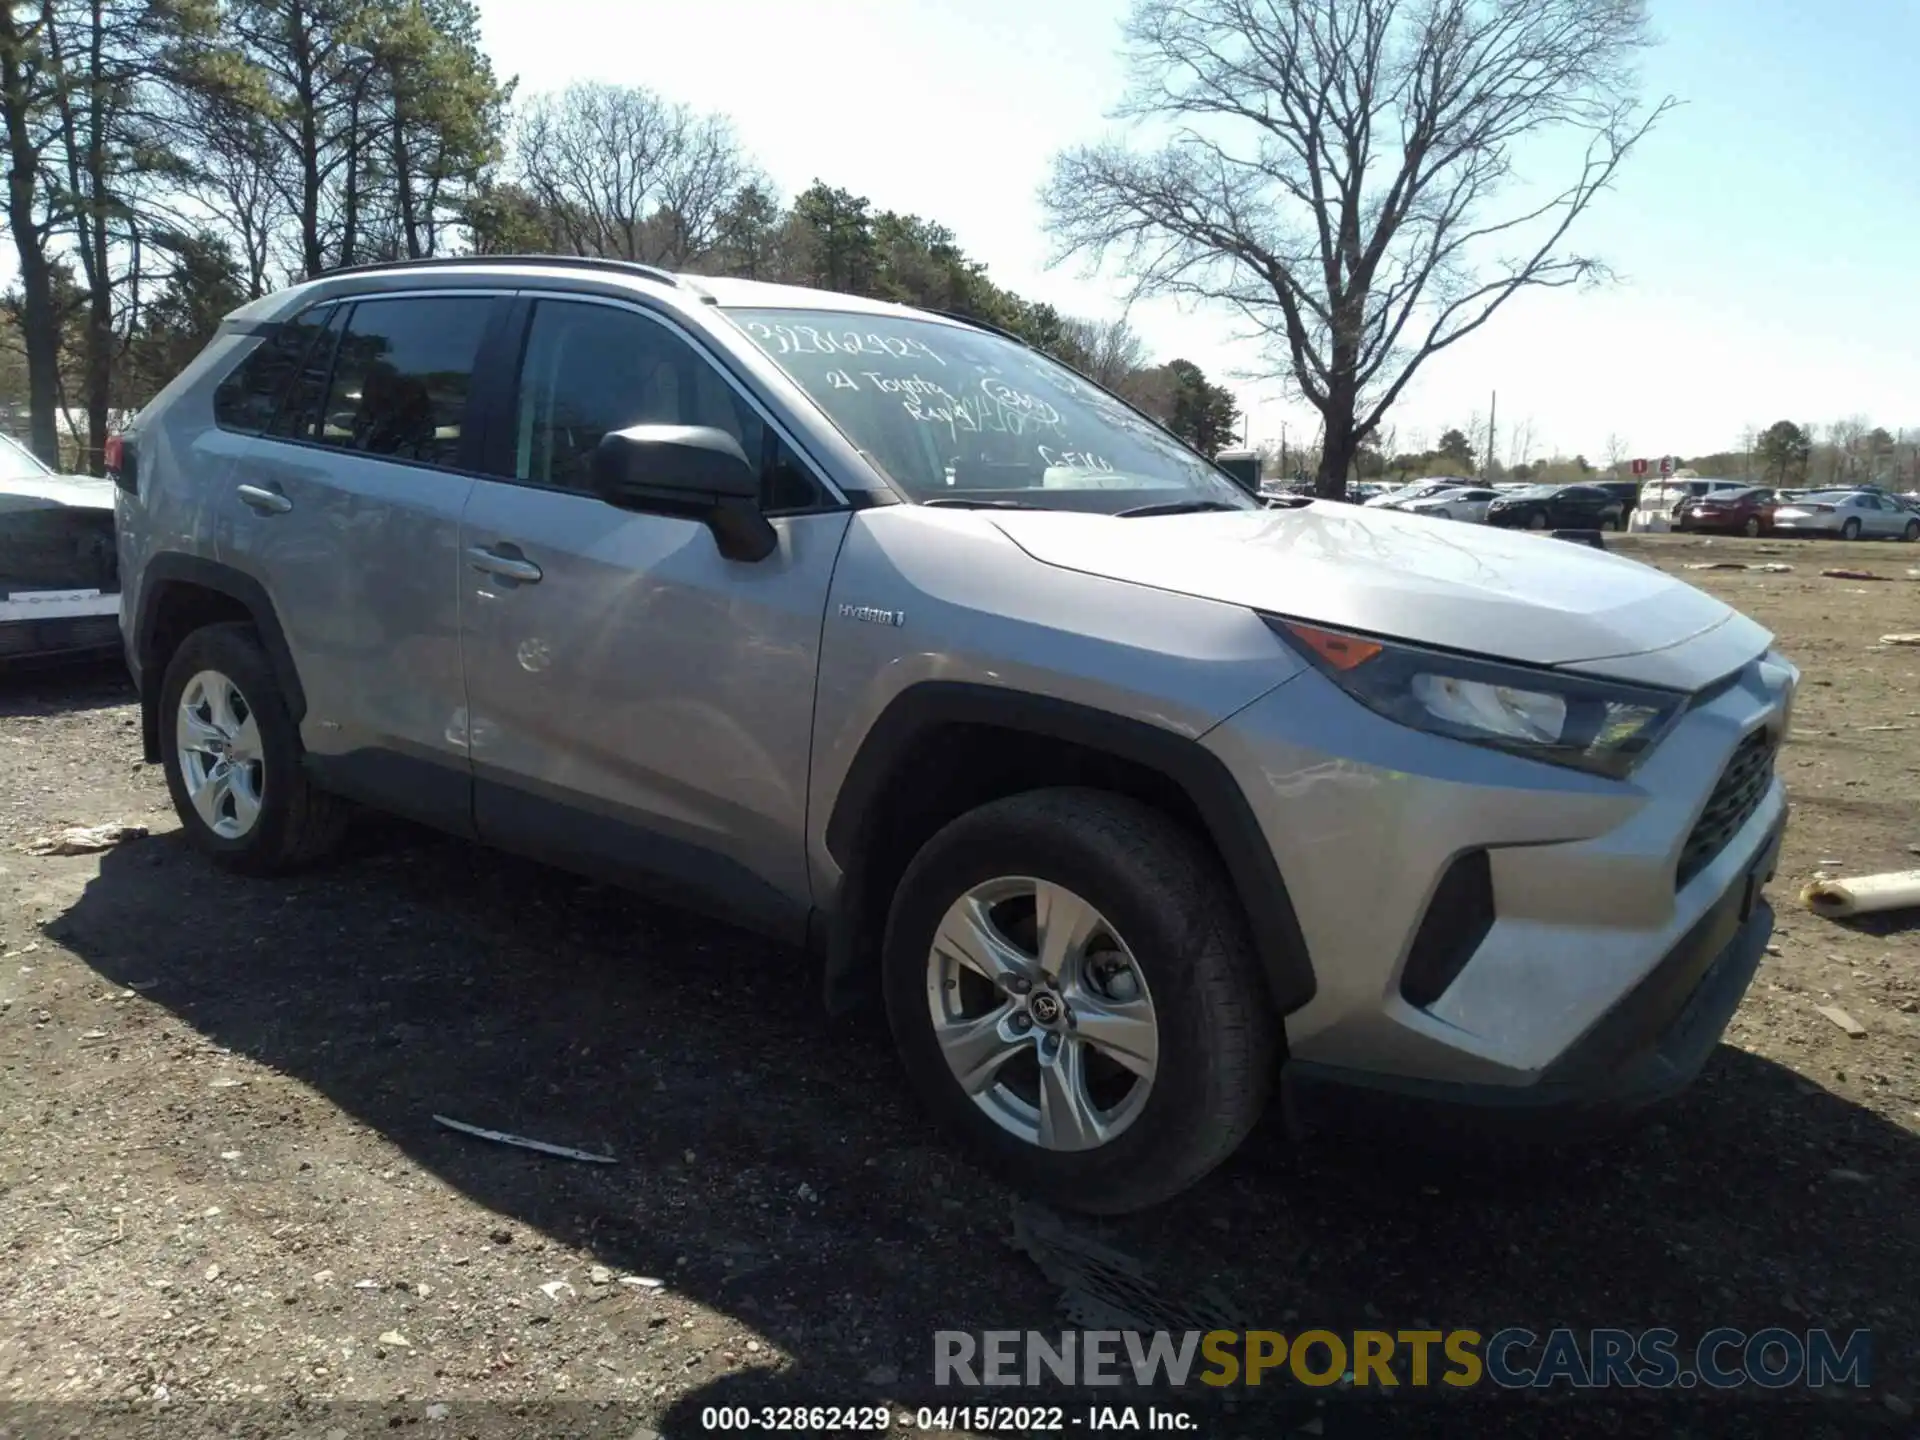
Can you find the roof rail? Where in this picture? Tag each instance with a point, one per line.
(591, 262)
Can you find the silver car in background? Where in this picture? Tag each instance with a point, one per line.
(1466, 502)
(1407, 494)
(1848, 514)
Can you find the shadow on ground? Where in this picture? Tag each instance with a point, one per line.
(63, 687)
(429, 976)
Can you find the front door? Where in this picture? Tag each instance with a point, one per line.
(641, 706)
(349, 513)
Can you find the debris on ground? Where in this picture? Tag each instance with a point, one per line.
(1773, 568)
(500, 1137)
(1103, 1289)
(85, 839)
(1839, 899)
(1905, 639)
(1717, 565)
(1851, 575)
(1841, 1018)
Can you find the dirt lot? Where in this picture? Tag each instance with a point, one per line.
(221, 1179)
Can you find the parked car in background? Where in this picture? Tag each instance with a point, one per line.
(1665, 497)
(1557, 507)
(1627, 492)
(59, 577)
(1407, 494)
(1742, 512)
(1466, 502)
(1849, 514)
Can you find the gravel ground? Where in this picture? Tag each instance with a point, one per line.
(222, 1184)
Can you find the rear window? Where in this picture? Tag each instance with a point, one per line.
(250, 396)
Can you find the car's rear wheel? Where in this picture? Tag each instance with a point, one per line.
(1752, 527)
(232, 758)
(1850, 530)
(1072, 989)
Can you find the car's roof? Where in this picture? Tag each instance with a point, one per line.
(723, 291)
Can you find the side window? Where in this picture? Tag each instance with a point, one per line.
(401, 376)
(247, 399)
(299, 414)
(593, 369)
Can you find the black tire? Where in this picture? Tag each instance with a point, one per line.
(1912, 532)
(1850, 530)
(1537, 520)
(1752, 527)
(297, 823)
(1159, 888)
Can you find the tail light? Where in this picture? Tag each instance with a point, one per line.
(1822, 509)
(120, 463)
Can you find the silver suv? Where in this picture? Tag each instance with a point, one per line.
(888, 636)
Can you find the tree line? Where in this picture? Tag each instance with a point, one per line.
(169, 160)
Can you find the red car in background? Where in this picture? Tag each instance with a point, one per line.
(1738, 512)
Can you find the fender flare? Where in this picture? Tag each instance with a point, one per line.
(1200, 774)
(171, 569)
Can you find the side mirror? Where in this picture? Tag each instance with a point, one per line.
(692, 471)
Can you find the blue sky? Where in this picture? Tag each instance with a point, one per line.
(1763, 235)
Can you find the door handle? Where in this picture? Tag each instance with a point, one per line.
(507, 567)
(265, 501)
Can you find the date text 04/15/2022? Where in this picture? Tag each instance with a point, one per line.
(936, 1419)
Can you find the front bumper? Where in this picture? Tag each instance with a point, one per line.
(1648, 1048)
(1602, 893)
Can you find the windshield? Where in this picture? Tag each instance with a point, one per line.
(960, 415)
(19, 463)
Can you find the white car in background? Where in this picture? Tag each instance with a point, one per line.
(1852, 515)
(1408, 494)
(1464, 502)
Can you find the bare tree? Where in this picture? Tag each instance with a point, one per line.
(1108, 350)
(1845, 436)
(1617, 452)
(1332, 168)
(621, 172)
(1520, 443)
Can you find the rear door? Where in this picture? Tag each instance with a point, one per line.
(642, 706)
(348, 512)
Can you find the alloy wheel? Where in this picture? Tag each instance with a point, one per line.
(1042, 1013)
(221, 764)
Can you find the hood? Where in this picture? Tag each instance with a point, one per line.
(43, 492)
(1490, 592)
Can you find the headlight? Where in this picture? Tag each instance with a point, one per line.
(1600, 726)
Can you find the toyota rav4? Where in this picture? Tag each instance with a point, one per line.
(1128, 797)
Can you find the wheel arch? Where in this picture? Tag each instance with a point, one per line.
(941, 748)
(183, 593)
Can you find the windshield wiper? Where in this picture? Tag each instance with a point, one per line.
(961, 502)
(1174, 507)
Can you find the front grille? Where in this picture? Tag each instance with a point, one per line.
(1741, 788)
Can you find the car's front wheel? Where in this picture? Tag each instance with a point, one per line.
(1912, 532)
(1752, 527)
(1537, 520)
(232, 758)
(1073, 992)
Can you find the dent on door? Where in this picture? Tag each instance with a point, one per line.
(646, 703)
